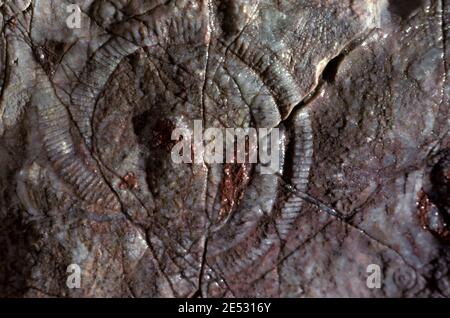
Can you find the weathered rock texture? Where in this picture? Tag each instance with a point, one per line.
(358, 89)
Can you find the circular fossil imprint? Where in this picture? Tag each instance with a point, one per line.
(73, 161)
(239, 74)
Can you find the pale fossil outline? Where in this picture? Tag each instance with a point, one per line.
(75, 164)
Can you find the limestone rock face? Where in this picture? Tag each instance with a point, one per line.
(349, 102)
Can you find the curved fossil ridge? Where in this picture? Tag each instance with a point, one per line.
(246, 238)
(256, 236)
(302, 160)
(273, 74)
(77, 170)
(73, 162)
(155, 28)
(94, 77)
(250, 235)
(164, 24)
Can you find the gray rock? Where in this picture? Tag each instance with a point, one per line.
(357, 91)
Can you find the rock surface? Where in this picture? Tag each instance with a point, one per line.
(91, 91)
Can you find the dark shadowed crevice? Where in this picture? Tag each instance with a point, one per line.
(15, 259)
(330, 71)
(404, 8)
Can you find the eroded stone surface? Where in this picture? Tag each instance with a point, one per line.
(358, 89)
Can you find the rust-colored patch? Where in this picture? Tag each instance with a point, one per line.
(234, 183)
(129, 181)
(434, 200)
(236, 177)
(425, 209)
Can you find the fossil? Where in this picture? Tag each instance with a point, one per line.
(85, 138)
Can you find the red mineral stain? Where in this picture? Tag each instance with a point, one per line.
(129, 181)
(434, 200)
(426, 209)
(236, 178)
